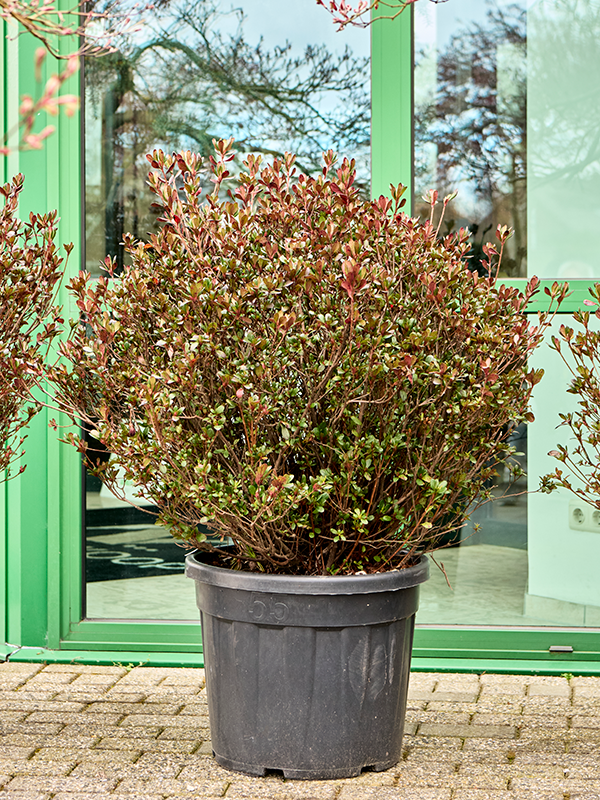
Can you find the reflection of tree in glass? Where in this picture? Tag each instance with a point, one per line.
(470, 134)
(193, 78)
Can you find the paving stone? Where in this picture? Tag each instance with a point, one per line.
(75, 740)
(457, 682)
(169, 786)
(543, 722)
(540, 744)
(199, 709)
(31, 767)
(484, 777)
(431, 773)
(184, 734)
(134, 733)
(500, 704)
(491, 679)
(585, 721)
(423, 680)
(206, 767)
(147, 767)
(546, 705)
(20, 668)
(420, 695)
(350, 792)
(10, 718)
(538, 784)
(45, 678)
(16, 753)
(71, 718)
(453, 707)
(108, 796)
(86, 669)
(5, 778)
(487, 718)
(182, 795)
(87, 754)
(30, 704)
(27, 728)
(423, 742)
(90, 695)
(166, 694)
(581, 766)
(150, 745)
(24, 795)
(441, 717)
(93, 679)
(468, 731)
(183, 675)
(146, 675)
(17, 693)
(25, 783)
(549, 687)
(368, 778)
(482, 794)
(107, 708)
(269, 789)
(519, 769)
(586, 705)
(23, 740)
(457, 697)
(118, 695)
(586, 693)
(490, 751)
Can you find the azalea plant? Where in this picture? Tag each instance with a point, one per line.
(321, 380)
(30, 272)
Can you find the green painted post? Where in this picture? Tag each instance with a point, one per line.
(40, 502)
(391, 103)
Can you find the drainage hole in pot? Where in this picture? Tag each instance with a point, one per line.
(274, 772)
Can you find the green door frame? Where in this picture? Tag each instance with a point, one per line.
(40, 512)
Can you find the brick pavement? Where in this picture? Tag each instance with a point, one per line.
(74, 732)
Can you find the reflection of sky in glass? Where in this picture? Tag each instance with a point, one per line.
(301, 23)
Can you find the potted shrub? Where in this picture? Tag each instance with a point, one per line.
(30, 271)
(326, 384)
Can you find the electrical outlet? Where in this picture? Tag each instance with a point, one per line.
(583, 517)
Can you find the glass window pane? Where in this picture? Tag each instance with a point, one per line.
(506, 113)
(197, 71)
(470, 118)
(563, 134)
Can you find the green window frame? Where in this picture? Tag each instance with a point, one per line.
(40, 512)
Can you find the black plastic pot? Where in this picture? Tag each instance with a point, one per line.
(306, 675)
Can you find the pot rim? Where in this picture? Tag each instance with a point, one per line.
(393, 580)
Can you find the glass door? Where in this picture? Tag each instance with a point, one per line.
(273, 81)
(506, 114)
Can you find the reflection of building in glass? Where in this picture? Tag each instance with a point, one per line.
(470, 120)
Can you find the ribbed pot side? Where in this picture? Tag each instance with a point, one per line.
(307, 675)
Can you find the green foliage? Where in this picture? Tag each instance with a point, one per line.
(30, 269)
(317, 377)
(580, 351)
